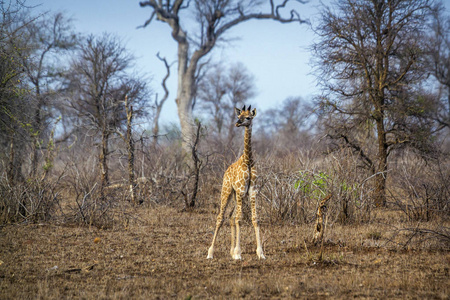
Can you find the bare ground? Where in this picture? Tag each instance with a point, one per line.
(162, 254)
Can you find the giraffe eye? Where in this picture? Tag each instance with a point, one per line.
(248, 118)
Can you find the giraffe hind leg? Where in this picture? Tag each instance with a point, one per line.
(255, 221)
(233, 231)
(225, 198)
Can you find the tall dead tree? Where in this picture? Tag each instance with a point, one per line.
(214, 19)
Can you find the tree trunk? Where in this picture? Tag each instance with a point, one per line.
(36, 135)
(197, 166)
(185, 95)
(380, 177)
(156, 126)
(130, 150)
(103, 159)
(185, 116)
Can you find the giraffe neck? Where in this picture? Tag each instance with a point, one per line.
(248, 159)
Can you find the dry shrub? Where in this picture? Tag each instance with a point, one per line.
(91, 207)
(32, 201)
(421, 187)
(87, 204)
(430, 235)
(278, 198)
(281, 201)
(351, 186)
(163, 174)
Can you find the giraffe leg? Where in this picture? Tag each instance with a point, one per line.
(255, 221)
(237, 248)
(233, 231)
(225, 197)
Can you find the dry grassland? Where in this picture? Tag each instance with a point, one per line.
(162, 252)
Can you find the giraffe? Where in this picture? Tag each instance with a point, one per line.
(239, 182)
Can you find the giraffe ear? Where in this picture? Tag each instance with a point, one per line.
(237, 111)
(254, 112)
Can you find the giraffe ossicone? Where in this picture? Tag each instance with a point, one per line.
(239, 182)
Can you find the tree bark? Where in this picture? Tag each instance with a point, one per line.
(380, 177)
(130, 150)
(103, 159)
(185, 94)
(36, 134)
(197, 164)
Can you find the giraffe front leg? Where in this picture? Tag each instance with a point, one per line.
(237, 249)
(223, 205)
(255, 221)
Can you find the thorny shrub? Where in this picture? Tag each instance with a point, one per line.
(32, 201)
(90, 205)
(421, 187)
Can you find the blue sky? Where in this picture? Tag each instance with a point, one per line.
(275, 54)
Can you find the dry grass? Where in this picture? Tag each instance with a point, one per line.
(162, 254)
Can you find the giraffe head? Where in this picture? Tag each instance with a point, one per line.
(245, 116)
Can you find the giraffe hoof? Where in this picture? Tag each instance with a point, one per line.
(260, 253)
(237, 253)
(210, 253)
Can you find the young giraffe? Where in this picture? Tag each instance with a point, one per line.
(239, 180)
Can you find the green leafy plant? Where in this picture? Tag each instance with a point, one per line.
(312, 183)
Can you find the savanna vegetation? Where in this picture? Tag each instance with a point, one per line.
(98, 200)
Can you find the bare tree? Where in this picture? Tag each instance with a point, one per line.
(97, 84)
(214, 19)
(369, 59)
(14, 112)
(42, 41)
